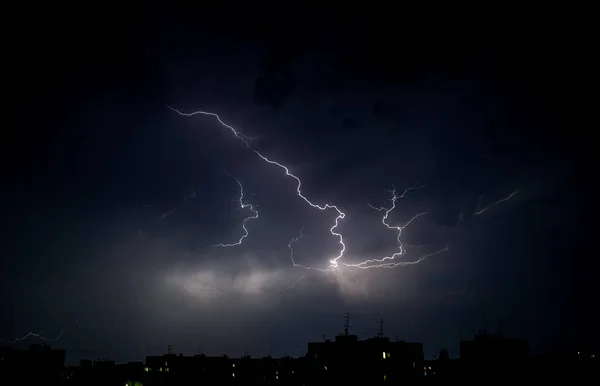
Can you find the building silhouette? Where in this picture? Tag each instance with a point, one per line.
(344, 360)
(493, 357)
(40, 364)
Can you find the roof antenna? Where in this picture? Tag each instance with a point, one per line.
(346, 323)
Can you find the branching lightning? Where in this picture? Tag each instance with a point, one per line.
(39, 336)
(481, 210)
(245, 140)
(252, 217)
(334, 263)
(390, 261)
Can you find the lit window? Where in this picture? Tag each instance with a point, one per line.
(389, 356)
(384, 378)
(277, 377)
(233, 365)
(414, 365)
(146, 369)
(383, 355)
(325, 367)
(166, 369)
(233, 375)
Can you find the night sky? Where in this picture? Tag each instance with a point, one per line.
(112, 203)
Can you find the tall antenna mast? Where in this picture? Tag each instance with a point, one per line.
(346, 323)
(380, 333)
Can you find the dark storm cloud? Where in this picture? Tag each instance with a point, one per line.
(351, 118)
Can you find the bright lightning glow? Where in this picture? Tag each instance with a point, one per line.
(481, 210)
(390, 261)
(252, 217)
(340, 215)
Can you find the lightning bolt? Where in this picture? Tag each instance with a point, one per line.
(482, 210)
(242, 206)
(333, 264)
(389, 261)
(39, 336)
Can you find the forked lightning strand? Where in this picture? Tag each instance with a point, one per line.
(290, 246)
(481, 210)
(40, 336)
(340, 215)
(242, 206)
(390, 261)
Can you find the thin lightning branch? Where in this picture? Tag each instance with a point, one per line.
(240, 136)
(242, 206)
(289, 287)
(482, 210)
(406, 245)
(170, 212)
(438, 297)
(333, 264)
(32, 334)
(389, 261)
(37, 335)
(353, 274)
(290, 246)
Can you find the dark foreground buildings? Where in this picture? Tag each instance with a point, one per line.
(346, 360)
(39, 364)
(370, 362)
